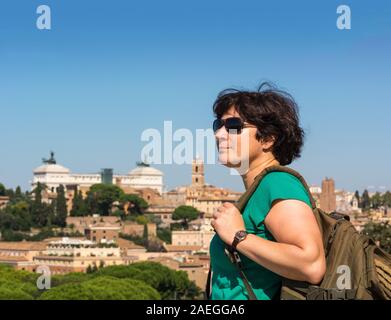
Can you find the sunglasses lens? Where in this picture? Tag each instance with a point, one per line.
(217, 124)
(234, 124)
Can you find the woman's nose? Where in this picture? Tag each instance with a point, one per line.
(221, 133)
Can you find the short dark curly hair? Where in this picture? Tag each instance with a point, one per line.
(273, 112)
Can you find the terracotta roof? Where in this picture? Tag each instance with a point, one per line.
(172, 248)
(103, 226)
(23, 245)
(12, 259)
(191, 265)
(72, 258)
(60, 238)
(126, 244)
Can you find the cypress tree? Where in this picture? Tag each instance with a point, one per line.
(61, 211)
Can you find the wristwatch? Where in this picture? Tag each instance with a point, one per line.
(239, 236)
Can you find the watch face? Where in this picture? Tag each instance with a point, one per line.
(241, 234)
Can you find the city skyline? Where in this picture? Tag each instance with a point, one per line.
(165, 187)
(92, 84)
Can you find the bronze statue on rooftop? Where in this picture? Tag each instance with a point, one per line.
(51, 160)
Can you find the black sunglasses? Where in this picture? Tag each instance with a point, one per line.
(234, 123)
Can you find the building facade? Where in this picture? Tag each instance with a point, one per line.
(53, 175)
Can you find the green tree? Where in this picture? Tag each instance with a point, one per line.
(357, 196)
(185, 214)
(142, 220)
(387, 199)
(18, 193)
(379, 232)
(376, 200)
(60, 208)
(137, 205)
(89, 269)
(2, 190)
(40, 211)
(145, 234)
(164, 235)
(365, 200)
(79, 205)
(73, 277)
(169, 283)
(16, 284)
(103, 288)
(100, 198)
(21, 216)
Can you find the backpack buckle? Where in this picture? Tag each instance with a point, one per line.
(339, 216)
(233, 255)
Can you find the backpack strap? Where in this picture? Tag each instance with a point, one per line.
(208, 280)
(235, 259)
(241, 204)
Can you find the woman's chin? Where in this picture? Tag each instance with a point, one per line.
(227, 161)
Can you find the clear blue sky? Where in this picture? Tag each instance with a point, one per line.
(110, 69)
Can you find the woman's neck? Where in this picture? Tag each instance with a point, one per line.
(257, 167)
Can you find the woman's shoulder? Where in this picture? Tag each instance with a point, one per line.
(278, 178)
(282, 185)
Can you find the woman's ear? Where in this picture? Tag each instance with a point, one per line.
(267, 144)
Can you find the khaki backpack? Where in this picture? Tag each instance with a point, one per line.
(356, 268)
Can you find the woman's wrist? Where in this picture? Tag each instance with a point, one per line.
(242, 245)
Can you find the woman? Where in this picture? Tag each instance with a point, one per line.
(281, 237)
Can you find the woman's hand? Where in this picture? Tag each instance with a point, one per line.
(226, 221)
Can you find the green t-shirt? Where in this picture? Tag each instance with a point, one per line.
(226, 282)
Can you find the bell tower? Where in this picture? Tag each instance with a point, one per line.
(197, 173)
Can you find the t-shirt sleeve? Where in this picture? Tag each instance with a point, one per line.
(276, 186)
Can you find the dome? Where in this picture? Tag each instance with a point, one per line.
(145, 171)
(51, 168)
